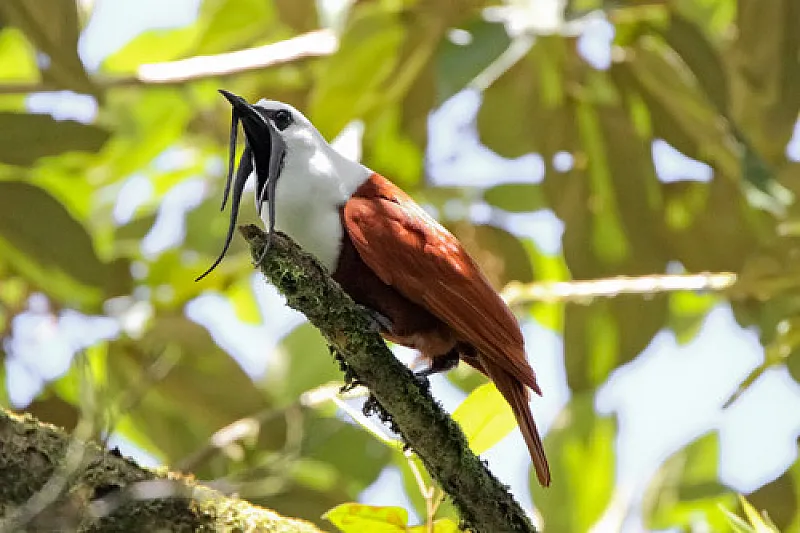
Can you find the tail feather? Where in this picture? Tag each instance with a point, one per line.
(516, 395)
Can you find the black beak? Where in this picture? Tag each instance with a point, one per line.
(264, 146)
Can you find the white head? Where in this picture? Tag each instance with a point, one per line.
(293, 165)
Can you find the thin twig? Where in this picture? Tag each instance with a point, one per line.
(584, 292)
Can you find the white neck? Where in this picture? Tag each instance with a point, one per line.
(315, 183)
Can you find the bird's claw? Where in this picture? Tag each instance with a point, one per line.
(378, 322)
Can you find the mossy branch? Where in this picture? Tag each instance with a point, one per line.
(51, 481)
(485, 505)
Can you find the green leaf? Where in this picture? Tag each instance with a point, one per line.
(681, 112)
(24, 138)
(458, 64)
(353, 81)
(229, 24)
(780, 499)
(300, 15)
(597, 338)
(793, 365)
(151, 46)
(765, 84)
(331, 441)
(581, 452)
(687, 313)
(301, 363)
(244, 301)
(543, 119)
(175, 374)
(695, 49)
(360, 518)
(17, 57)
(390, 151)
(501, 255)
(47, 246)
(485, 417)
(516, 197)
(757, 521)
(148, 122)
(686, 490)
(53, 27)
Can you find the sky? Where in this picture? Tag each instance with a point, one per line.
(665, 398)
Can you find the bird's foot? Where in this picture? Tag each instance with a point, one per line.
(263, 254)
(378, 322)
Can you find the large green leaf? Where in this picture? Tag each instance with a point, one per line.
(147, 123)
(17, 57)
(331, 441)
(24, 138)
(150, 47)
(50, 248)
(359, 518)
(180, 389)
(612, 210)
(766, 77)
(780, 499)
(501, 256)
(300, 15)
(302, 362)
(528, 108)
(229, 24)
(699, 54)
(581, 452)
(353, 81)
(53, 27)
(681, 111)
(686, 490)
(485, 418)
(516, 197)
(458, 63)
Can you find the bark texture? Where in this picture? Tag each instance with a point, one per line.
(51, 481)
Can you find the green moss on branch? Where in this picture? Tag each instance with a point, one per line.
(50, 481)
(484, 503)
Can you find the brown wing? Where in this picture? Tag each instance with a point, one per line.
(412, 252)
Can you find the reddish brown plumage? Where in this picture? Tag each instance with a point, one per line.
(400, 262)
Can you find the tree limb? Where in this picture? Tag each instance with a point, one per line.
(50, 481)
(484, 503)
(318, 43)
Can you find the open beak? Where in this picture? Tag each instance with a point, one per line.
(264, 146)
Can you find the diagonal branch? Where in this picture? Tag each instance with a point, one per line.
(484, 503)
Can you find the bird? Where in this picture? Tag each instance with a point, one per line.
(414, 277)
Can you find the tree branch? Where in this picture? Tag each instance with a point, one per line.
(586, 291)
(50, 481)
(484, 503)
(318, 43)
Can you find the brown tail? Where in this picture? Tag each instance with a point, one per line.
(516, 395)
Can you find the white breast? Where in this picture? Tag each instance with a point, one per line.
(313, 187)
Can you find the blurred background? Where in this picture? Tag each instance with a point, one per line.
(566, 143)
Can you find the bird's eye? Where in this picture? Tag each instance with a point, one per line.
(282, 119)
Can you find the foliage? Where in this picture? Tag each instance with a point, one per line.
(87, 202)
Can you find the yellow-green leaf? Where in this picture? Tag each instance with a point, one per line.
(360, 518)
(485, 417)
